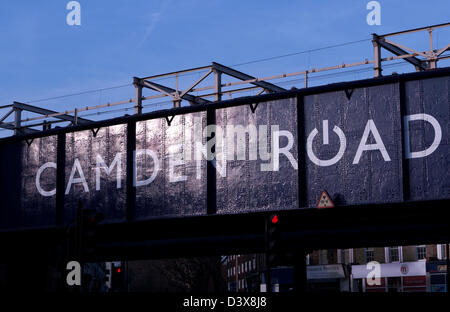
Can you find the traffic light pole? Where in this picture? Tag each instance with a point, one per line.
(79, 228)
(268, 278)
(79, 233)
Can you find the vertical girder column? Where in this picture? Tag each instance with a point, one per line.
(376, 56)
(17, 120)
(138, 96)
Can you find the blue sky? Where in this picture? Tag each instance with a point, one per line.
(41, 56)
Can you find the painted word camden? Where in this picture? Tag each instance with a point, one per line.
(223, 147)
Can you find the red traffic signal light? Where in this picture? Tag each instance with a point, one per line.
(117, 278)
(93, 216)
(274, 219)
(273, 240)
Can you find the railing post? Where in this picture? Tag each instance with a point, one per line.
(218, 85)
(138, 98)
(17, 120)
(376, 56)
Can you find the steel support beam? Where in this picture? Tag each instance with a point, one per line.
(419, 65)
(172, 92)
(7, 115)
(43, 111)
(17, 120)
(17, 131)
(196, 83)
(138, 98)
(239, 75)
(218, 85)
(376, 56)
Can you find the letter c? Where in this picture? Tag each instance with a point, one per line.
(38, 179)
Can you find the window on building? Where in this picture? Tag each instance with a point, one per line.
(393, 254)
(421, 252)
(368, 255)
(440, 251)
(322, 257)
(254, 264)
(331, 256)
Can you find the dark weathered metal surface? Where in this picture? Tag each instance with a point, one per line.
(22, 205)
(246, 187)
(36, 210)
(108, 196)
(182, 191)
(10, 184)
(430, 175)
(372, 179)
(172, 141)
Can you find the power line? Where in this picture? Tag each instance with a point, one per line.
(235, 65)
(301, 52)
(316, 77)
(276, 57)
(194, 73)
(341, 73)
(79, 93)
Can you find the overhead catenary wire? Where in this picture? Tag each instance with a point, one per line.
(275, 57)
(301, 52)
(193, 73)
(309, 51)
(131, 100)
(341, 73)
(318, 77)
(79, 93)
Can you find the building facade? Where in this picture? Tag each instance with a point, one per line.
(418, 268)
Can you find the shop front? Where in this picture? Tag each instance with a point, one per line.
(437, 271)
(393, 277)
(327, 278)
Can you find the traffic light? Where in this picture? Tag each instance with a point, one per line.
(273, 240)
(91, 219)
(87, 222)
(116, 277)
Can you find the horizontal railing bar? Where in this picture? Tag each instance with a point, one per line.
(229, 84)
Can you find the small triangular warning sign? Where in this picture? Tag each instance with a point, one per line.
(324, 201)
